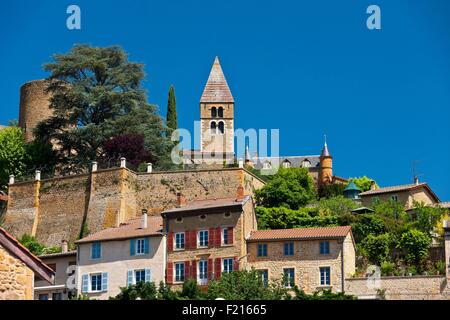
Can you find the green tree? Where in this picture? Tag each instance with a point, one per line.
(35, 247)
(426, 218)
(40, 156)
(141, 290)
(95, 92)
(165, 292)
(331, 190)
(245, 285)
(394, 216)
(191, 290)
(12, 154)
(321, 295)
(171, 118)
(364, 183)
(367, 224)
(416, 244)
(336, 205)
(289, 187)
(377, 248)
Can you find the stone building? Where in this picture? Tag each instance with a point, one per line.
(18, 269)
(121, 256)
(311, 258)
(207, 238)
(64, 266)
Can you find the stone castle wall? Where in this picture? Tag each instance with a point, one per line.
(59, 209)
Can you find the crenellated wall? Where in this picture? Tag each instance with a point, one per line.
(61, 208)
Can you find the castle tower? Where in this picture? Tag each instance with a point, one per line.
(34, 106)
(326, 166)
(217, 115)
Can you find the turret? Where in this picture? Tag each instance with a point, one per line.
(248, 158)
(326, 166)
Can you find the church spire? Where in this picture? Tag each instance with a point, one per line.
(216, 89)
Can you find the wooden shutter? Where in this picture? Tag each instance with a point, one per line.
(105, 281)
(130, 277)
(210, 268)
(148, 275)
(193, 239)
(218, 268)
(169, 277)
(187, 240)
(235, 264)
(147, 245)
(230, 235)
(170, 241)
(194, 270)
(85, 283)
(186, 270)
(211, 237)
(132, 247)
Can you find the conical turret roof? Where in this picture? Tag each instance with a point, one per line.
(325, 152)
(216, 89)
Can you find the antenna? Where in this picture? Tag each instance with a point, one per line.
(414, 171)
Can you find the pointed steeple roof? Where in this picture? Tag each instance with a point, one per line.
(216, 89)
(247, 154)
(325, 152)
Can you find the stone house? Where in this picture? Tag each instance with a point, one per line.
(121, 256)
(207, 238)
(405, 194)
(18, 269)
(311, 258)
(64, 266)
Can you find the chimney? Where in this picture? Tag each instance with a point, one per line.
(144, 221)
(181, 200)
(372, 185)
(416, 181)
(64, 246)
(240, 193)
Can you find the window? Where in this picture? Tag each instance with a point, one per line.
(179, 240)
(140, 247)
(203, 272)
(202, 217)
(227, 215)
(203, 238)
(227, 265)
(220, 112)
(267, 165)
(43, 297)
(324, 247)
(289, 249)
(179, 272)
(221, 127)
(96, 250)
(289, 277)
(306, 163)
(96, 282)
(213, 112)
(139, 275)
(286, 164)
(262, 250)
(325, 276)
(394, 198)
(264, 274)
(57, 296)
(213, 127)
(179, 220)
(226, 236)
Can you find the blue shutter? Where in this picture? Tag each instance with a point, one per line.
(85, 283)
(132, 247)
(147, 275)
(105, 281)
(147, 245)
(129, 278)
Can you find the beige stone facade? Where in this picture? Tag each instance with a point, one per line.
(16, 278)
(306, 261)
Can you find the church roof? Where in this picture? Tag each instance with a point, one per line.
(216, 89)
(296, 161)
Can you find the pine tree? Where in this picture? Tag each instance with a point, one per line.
(172, 122)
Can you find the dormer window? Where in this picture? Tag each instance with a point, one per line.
(267, 165)
(306, 163)
(286, 164)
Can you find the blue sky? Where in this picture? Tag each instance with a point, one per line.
(305, 67)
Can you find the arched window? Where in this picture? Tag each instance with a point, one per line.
(286, 164)
(306, 163)
(220, 112)
(213, 112)
(221, 127)
(213, 127)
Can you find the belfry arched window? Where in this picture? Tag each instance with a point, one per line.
(213, 112)
(220, 112)
(221, 127)
(213, 127)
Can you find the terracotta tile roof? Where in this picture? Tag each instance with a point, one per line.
(405, 187)
(13, 246)
(131, 229)
(58, 254)
(208, 204)
(216, 89)
(300, 233)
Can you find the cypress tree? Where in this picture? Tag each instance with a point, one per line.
(172, 122)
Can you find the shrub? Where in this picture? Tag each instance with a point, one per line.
(377, 248)
(141, 290)
(416, 244)
(387, 268)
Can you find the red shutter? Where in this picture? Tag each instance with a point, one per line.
(194, 270)
(186, 270)
(218, 237)
(210, 268)
(236, 264)
(218, 268)
(170, 241)
(169, 278)
(230, 235)
(211, 237)
(187, 244)
(193, 239)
